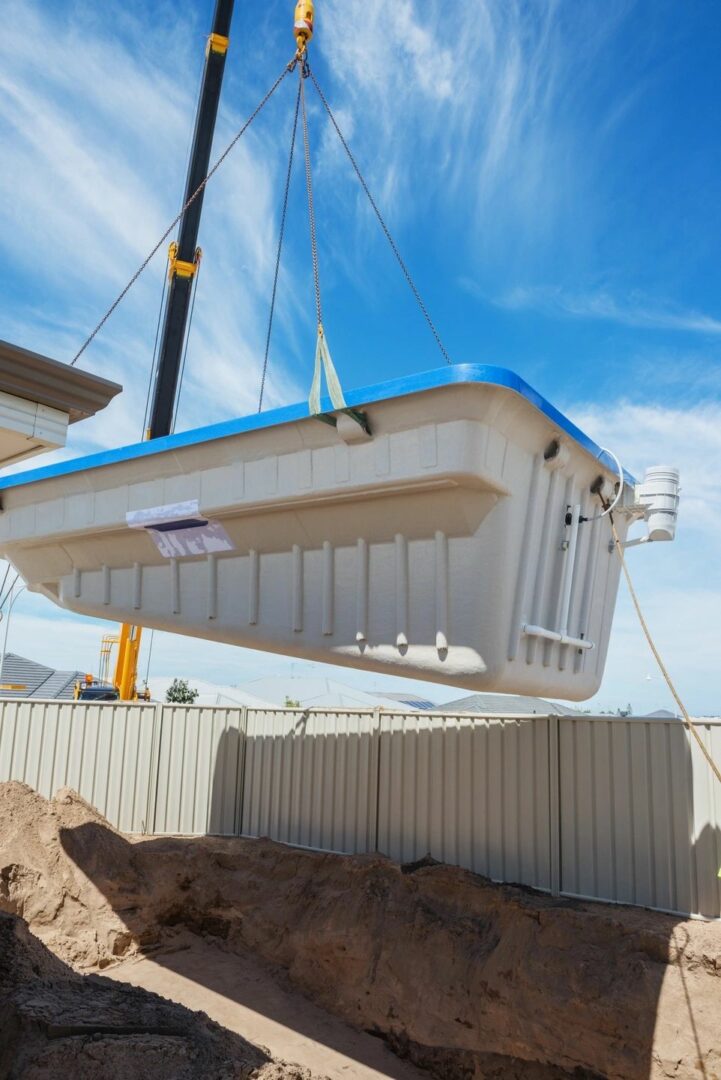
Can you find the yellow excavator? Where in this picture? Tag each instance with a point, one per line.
(124, 684)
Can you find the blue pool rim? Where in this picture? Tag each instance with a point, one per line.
(459, 374)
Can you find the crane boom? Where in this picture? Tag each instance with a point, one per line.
(183, 262)
(183, 266)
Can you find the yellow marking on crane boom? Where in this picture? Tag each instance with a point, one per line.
(217, 43)
(179, 267)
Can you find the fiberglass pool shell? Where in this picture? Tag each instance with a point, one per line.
(435, 547)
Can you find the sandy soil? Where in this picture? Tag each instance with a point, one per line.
(55, 1023)
(464, 978)
(248, 998)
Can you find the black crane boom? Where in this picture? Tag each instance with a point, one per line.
(183, 266)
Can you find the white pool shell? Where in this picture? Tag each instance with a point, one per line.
(435, 548)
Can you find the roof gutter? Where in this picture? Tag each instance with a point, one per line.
(37, 378)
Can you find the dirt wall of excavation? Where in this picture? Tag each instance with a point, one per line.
(467, 978)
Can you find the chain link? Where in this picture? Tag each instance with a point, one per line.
(304, 73)
(381, 221)
(201, 187)
(281, 237)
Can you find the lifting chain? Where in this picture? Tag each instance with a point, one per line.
(304, 72)
(323, 359)
(303, 28)
(281, 237)
(381, 221)
(201, 187)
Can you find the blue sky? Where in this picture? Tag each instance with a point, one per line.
(550, 170)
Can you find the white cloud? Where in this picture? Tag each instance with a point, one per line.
(485, 95)
(679, 584)
(689, 438)
(41, 632)
(96, 125)
(682, 621)
(83, 166)
(635, 309)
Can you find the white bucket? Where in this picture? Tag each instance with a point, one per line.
(659, 494)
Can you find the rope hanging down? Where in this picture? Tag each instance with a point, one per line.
(323, 360)
(121, 296)
(652, 645)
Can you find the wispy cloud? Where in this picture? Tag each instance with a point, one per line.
(679, 618)
(486, 100)
(678, 583)
(634, 309)
(689, 438)
(95, 125)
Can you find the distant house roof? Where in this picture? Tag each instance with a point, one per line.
(318, 692)
(506, 705)
(409, 699)
(211, 693)
(28, 679)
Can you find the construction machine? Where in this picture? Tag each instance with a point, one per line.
(183, 262)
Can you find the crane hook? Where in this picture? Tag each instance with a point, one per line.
(303, 25)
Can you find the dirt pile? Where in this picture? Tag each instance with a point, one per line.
(47, 889)
(465, 977)
(56, 1023)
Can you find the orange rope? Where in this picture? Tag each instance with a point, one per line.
(669, 681)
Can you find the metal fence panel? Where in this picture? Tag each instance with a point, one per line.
(467, 790)
(640, 813)
(102, 751)
(311, 778)
(611, 808)
(706, 835)
(200, 770)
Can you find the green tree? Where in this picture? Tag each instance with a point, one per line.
(290, 704)
(179, 693)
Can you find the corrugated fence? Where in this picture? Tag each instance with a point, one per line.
(610, 808)
(104, 753)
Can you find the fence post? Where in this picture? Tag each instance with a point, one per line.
(240, 778)
(375, 770)
(554, 795)
(153, 769)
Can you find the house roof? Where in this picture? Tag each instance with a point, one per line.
(210, 693)
(34, 377)
(413, 701)
(318, 692)
(506, 705)
(29, 679)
